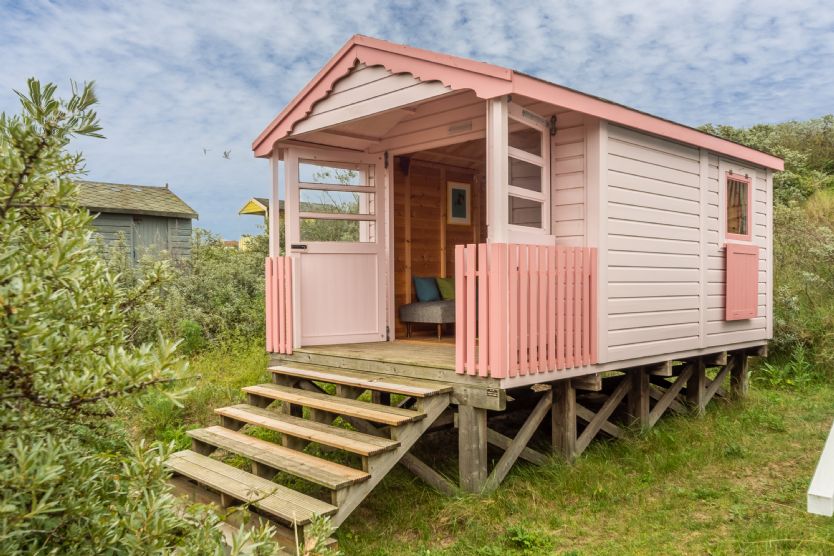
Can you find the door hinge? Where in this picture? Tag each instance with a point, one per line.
(552, 126)
(387, 333)
(385, 159)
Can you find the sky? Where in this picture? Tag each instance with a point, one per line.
(179, 83)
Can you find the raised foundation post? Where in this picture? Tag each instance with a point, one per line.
(563, 419)
(696, 386)
(638, 398)
(740, 375)
(472, 447)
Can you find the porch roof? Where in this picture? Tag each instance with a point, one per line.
(486, 81)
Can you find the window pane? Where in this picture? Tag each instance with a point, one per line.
(525, 138)
(320, 229)
(313, 200)
(525, 175)
(524, 212)
(737, 207)
(313, 172)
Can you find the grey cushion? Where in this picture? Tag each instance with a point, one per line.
(430, 312)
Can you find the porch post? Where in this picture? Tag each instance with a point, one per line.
(472, 447)
(274, 216)
(497, 170)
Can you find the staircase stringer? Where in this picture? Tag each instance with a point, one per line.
(380, 466)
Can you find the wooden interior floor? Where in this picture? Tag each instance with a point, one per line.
(425, 352)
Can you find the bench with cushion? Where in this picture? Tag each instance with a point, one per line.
(435, 304)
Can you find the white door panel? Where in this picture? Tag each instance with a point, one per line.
(336, 235)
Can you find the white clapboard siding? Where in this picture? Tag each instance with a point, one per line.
(718, 331)
(567, 169)
(653, 245)
(365, 91)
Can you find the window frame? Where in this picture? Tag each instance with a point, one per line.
(368, 220)
(748, 181)
(519, 114)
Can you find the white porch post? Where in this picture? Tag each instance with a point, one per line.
(497, 173)
(275, 205)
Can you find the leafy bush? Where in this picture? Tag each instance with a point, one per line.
(796, 372)
(70, 481)
(215, 297)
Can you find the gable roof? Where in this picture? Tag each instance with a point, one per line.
(132, 199)
(259, 205)
(486, 81)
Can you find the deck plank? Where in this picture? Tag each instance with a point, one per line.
(438, 355)
(372, 381)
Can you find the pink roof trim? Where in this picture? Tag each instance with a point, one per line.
(487, 81)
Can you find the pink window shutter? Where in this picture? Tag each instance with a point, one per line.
(742, 281)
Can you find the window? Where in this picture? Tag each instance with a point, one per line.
(738, 206)
(527, 169)
(336, 202)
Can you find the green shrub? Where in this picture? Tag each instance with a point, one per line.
(70, 480)
(215, 297)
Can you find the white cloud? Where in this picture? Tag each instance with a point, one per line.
(175, 77)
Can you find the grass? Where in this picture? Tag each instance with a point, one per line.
(732, 481)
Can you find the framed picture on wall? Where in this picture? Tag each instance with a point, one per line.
(458, 203)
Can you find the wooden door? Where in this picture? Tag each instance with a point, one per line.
(335, 213)
(150, 235)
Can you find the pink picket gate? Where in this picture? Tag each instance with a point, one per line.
(524, 309)
(279, 329)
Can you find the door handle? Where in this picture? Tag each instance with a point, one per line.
(301, 246)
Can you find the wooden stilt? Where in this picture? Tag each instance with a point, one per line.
(472, 447)
(563, 419)
(696, 386)
(638, 398)
(740, 377)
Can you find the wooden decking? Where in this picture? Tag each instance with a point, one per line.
(425, 359)
(437, 354)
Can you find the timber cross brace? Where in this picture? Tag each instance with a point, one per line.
(581, 408)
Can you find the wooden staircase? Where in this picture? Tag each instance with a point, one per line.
(383, 434)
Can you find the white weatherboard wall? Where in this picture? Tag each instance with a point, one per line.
(653, 224)
(821, 491)
(717, 331)
(567, 169)
(664, 251)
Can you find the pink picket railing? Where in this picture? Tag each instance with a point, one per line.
(279, 332)
(524, 309)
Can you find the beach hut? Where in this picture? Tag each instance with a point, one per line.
(553, 254)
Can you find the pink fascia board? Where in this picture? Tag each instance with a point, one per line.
(606, 110)
(486, 80)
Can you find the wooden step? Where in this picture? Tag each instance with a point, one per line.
(274, 499)
(284, 535)
(371, 381)
(335, 437)
(320, 471)
(393, 416)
